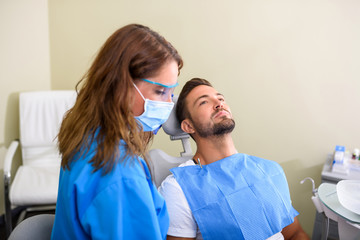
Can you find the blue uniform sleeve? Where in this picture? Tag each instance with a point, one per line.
(125, 210)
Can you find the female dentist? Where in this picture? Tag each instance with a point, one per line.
(105, 188)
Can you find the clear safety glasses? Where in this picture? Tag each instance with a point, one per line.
(164, 92)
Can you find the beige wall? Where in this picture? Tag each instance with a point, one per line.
(24, 64)
(289, 69)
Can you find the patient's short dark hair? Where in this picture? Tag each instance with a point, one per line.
(181, 111)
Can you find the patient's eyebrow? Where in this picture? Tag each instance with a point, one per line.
(206, 96)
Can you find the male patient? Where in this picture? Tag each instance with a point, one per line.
(220, 193)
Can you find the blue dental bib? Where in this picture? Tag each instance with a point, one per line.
(238, 197)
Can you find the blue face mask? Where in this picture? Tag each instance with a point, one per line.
(155, 113)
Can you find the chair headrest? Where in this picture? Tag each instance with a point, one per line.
(172, 125)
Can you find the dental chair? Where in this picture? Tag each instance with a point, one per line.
(161, 162)
(35, 184)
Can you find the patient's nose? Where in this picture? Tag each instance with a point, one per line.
(219, 104)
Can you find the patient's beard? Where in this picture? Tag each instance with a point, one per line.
(227, 125)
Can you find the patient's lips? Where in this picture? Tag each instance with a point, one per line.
(221, 113)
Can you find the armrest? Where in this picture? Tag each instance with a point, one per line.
(9, 158)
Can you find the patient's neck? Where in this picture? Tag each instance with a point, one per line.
(212, 149)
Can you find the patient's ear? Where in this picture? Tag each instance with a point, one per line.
(186, 126)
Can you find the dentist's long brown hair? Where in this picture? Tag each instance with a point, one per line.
(102, 111)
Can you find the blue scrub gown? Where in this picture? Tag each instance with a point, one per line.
(123, 204)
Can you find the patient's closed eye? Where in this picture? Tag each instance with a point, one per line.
(203, 102)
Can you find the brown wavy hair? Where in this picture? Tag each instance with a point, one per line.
(103, 109)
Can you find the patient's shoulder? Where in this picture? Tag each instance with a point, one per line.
(171, 191)
(187, 163)
(169, 182)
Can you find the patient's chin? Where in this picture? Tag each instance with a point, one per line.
(224, 127)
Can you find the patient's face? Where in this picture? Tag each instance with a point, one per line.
(209, 112)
